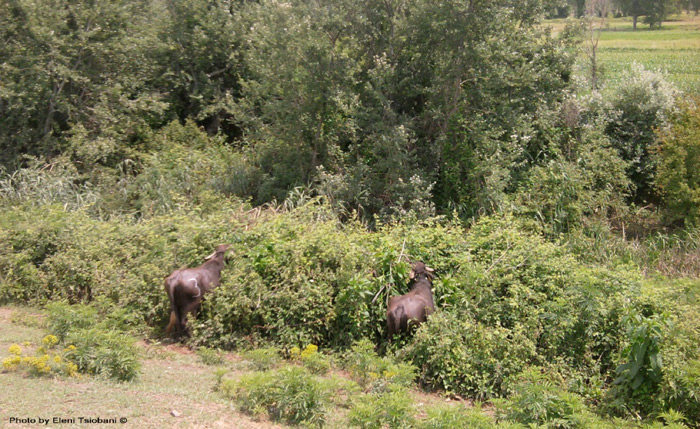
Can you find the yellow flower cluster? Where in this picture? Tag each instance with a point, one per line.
(297, 354)
(38, 365)
(44, 363)
(50, 341)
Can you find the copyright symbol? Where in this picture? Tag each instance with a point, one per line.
(123, 420)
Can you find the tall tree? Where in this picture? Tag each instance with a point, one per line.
(596, 18)
(202, 61)
(67, 63)
(633, 8)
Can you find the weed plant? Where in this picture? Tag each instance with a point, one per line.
(289, 394)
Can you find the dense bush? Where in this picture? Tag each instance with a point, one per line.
(392, 408)
(290, 394)
(465, 357)
(678, 176)
(131, 129)
(638, 108)
(95, 343)
(507, 298)
(539, 400)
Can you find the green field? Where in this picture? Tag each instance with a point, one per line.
(673, 49)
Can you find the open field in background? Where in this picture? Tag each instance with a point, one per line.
(674, 49)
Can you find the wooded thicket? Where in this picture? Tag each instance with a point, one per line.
(381, 107)
(326, 139)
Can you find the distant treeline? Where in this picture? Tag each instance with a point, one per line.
(653, 11)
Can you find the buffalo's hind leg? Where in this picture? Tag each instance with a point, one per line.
(190, 310)
(173, 325)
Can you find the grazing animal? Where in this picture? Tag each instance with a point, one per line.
(416, 305)
(187, 286)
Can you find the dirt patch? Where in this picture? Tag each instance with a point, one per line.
(6, 314)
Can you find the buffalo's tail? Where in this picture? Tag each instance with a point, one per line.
(175, 316)
(396, 319)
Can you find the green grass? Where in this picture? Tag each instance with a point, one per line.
(682, 66)
(172, 378)
(674, 49)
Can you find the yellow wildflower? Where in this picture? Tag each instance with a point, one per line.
(50, 341)
(15, 350)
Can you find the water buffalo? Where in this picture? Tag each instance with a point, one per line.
(416, 305)
(186, 287)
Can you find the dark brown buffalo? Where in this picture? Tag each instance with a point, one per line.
(416, 305)
(187, 286)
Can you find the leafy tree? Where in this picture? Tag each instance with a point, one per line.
(637, 109)
(657, 12)
(633, 8)
(678, 176)
(654, 11)
(201, 61)
(65, 63)
(490, 61)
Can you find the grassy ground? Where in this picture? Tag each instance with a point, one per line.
(674, 49)
(173, 381)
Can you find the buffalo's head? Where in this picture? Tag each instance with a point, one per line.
(219, 252)
(420, 270)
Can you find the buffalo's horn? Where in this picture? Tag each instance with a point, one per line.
(210, 256)
(428, 269)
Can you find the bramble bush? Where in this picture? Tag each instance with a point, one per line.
(507, 297)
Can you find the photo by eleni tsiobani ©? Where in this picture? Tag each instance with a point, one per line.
(350, 213)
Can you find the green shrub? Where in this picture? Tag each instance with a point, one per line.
(638, 378)
(107, 353)
(263, 358)
(64, 318)
(314, 361)
(678, 173)
(638, 108)
(95, 346)
(462, 356)
(290, 394)
(210, 356)
(669, 367)
(538, 399)
(456, 417)
(375, 373)
(392, 408)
